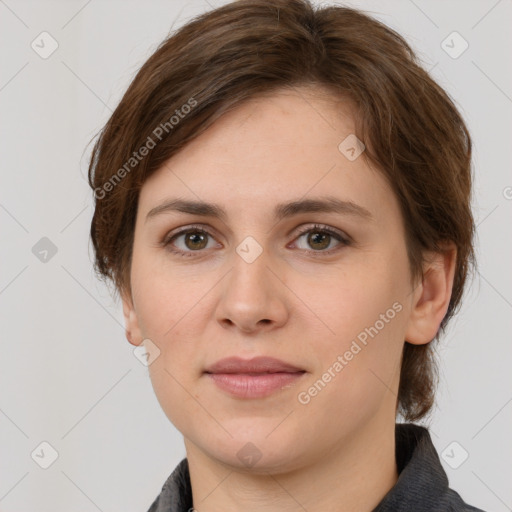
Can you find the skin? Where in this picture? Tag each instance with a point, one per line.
(293, 302)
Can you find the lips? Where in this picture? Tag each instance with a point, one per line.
(256, 365)
(254, 378)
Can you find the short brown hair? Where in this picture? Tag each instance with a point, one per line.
(411, 128)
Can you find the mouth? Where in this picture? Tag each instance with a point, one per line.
(255, 378)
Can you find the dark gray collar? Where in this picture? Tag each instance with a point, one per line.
(422, 484)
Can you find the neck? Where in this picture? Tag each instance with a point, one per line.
(355, 476)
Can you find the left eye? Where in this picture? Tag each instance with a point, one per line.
(320, 238)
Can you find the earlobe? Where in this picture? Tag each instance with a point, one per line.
(432, 296)
(132, 330)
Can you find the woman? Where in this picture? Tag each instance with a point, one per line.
(283, 204)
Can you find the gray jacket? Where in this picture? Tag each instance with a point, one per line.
(422, 484)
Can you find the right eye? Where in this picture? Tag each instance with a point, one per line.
(194, 239)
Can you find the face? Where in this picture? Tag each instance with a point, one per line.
(327, 291)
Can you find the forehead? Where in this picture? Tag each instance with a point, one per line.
(272, 148)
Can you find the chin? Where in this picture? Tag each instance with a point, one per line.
(258, 454)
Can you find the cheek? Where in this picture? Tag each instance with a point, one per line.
(165, 297)
(371, 294)
(358, 372)
(360, 356)
(174, 393)
(172, 316)
(170, 313)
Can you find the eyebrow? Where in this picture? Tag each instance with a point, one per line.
(326, 204)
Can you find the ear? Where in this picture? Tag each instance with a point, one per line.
(132, 330)
(431, 297)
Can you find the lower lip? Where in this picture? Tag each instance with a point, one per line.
(253, 386)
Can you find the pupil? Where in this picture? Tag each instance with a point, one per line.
(196, 238)
(314, 239)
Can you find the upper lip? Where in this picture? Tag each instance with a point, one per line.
(254, 365)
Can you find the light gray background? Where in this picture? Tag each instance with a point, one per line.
(67, 374)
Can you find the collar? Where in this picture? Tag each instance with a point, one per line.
(422, 483)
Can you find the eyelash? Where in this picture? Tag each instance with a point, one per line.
(316, 228)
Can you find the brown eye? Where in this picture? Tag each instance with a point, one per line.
(188, 241)
(195, 240)
(318, 240)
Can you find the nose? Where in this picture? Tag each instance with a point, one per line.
(253, 296)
